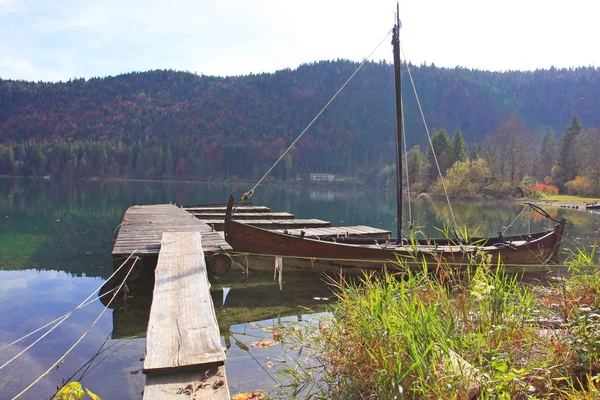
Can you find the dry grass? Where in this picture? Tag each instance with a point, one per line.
(450, 335)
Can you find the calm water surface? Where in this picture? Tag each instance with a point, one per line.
(55, 242)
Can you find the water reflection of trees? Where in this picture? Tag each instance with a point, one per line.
(69, 225)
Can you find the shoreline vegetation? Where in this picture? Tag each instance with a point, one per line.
(510, 165)
(481, 333)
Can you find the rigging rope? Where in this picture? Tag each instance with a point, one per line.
(513, 221)
(542, 212)
(251, 191)
(430, 142)
(59, 319)
(84, 334)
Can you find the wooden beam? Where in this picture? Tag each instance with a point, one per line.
(274, 223)
(244, 216)
(222, 209)
(183, 329)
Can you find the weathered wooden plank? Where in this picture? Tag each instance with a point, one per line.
(183, 329)
(222, 209)
(143, 226)
(244, 216)
(275, 223)
(204, 384)
(353, 231)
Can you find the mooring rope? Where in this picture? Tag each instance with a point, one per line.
(251, 191)
(53, 321)
(84, 303)
(391, 262)
(82, 336)
(120, 343)
(429, 138)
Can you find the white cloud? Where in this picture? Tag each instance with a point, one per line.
(60, 40)
(11, 6)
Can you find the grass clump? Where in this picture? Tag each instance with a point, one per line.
(477, 334)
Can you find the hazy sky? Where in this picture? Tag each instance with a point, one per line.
(54, 40)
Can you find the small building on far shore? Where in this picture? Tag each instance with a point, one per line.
(322, 177)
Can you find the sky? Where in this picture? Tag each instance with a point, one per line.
(57, 40)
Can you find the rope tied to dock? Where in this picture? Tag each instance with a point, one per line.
(62, 318)
(89, 328)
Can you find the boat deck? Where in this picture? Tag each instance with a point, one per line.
(337, 231)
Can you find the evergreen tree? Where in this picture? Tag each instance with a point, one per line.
(546, 157)
(458, 148)
(73, 166)
(475, 151)
(441, 145)
(414, 165)
(169, 166)
(103, 161)
(7, 160)
(567, 155)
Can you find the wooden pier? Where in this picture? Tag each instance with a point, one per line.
(143, 226)
(184, 356)
(183, 348)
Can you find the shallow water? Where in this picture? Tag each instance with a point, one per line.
(55, 242)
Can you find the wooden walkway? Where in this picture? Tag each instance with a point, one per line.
(143, 226)
(184, 355)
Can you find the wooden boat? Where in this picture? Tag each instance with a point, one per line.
(335, 253)
(307, 252)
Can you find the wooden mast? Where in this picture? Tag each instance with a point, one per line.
(398, 90)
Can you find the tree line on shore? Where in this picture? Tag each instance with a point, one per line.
(176, 125)
(513, 160)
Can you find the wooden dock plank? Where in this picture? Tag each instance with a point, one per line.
(165, 386)
(143, 226)
(222, 209)
(183, 329)
(244, 216)
(274, 223)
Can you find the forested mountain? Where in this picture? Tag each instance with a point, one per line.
(167, 124)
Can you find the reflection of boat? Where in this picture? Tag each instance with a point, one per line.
(536, 249)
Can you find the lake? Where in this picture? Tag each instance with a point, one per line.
(56, 238)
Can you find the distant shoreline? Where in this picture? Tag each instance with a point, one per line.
(576, 205)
